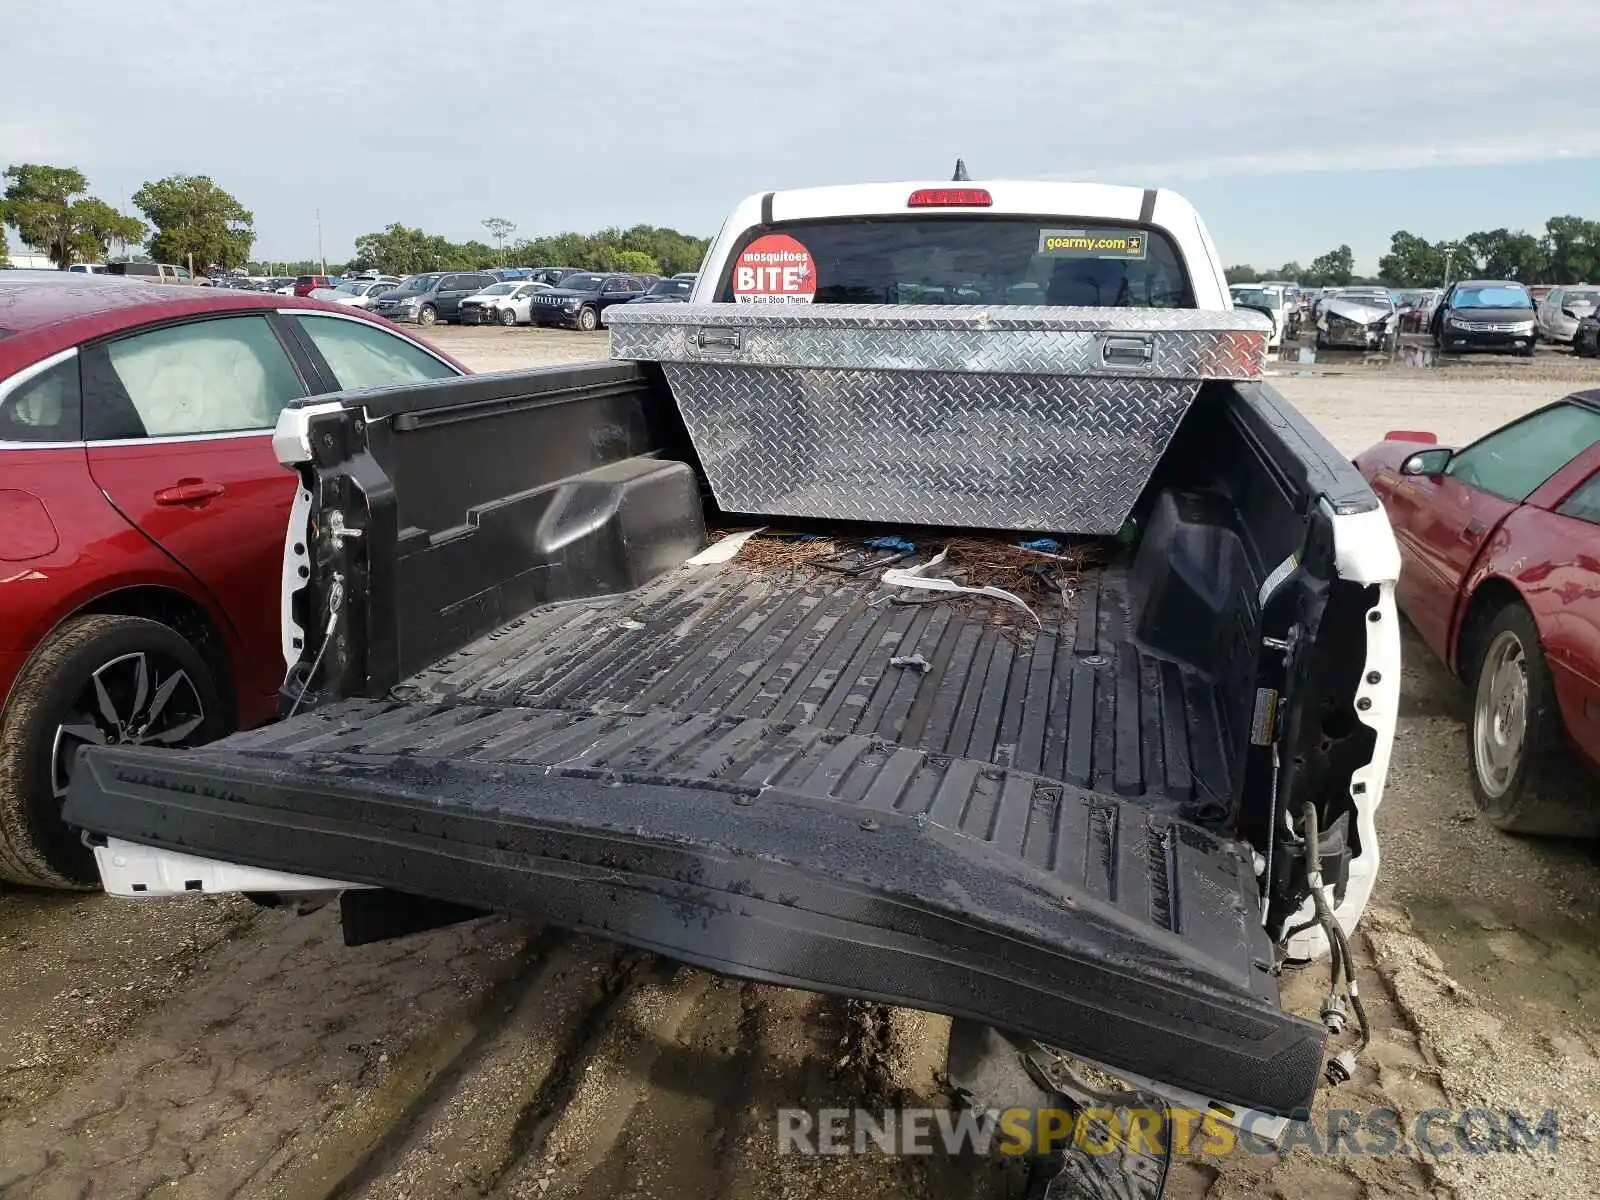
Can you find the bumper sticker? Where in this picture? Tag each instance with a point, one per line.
(1093, 243)
(775, 269)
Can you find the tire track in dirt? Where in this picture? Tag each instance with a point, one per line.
(460, 1134)
(682, 1094)
(287, 1040)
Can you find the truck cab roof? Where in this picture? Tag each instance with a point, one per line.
(1153, 208)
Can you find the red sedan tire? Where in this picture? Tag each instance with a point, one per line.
(1522, 774)
(103, 679)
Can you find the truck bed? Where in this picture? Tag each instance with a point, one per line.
(758, 758)
(1076, 701)
(530, 702)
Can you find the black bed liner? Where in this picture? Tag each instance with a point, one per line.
(1077, 700)
(724, 768)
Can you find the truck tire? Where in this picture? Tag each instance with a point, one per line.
(508, 316)
(82, 685)
(588, 319)
(427, 315)
(1523, 776)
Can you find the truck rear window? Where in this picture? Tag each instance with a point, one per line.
(960, 260)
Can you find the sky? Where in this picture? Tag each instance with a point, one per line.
(1294, 127)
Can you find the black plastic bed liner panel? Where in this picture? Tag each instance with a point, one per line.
(1076, 701)
(724, 768)
(764, 850)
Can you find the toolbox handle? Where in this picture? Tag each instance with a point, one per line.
(1134, 350)
(727, 338)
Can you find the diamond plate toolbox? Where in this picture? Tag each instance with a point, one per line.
(1039, 419)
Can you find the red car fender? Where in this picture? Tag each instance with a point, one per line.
(87, 584)
(1483, 571)
(1518, 550)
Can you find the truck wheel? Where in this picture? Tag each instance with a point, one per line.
(1522, 776)
(428, 315)
(106, 680)
(508, 316)
(588, 319)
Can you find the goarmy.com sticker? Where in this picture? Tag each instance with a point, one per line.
(1093, 243)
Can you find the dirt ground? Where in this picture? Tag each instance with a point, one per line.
(206, 1048)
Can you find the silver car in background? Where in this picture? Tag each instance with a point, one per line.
(1556, 319)
(357, 293)
(504, 303)
(1356, 318)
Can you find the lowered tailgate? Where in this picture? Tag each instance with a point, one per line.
(765, 850)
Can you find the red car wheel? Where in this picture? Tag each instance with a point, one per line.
(99, 680)
(1521, 776)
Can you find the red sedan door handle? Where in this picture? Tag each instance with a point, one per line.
(188, 491)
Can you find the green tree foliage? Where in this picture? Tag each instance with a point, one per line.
(97, 226)
(500, 229)
(1242, 273)
(403, 250)
(638, 262)
(1501, 254)
(305, 266)
(38, 202)
(1572, 250)
(475, 256)
(194, 218)
(1333, 269)
(5, 259)
(1412, 261)
(50, 210)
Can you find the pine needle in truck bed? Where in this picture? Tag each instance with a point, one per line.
(1046, 581)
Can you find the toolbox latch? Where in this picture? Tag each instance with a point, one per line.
(1125, 350)
(727, 339)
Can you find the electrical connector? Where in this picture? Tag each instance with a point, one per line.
(1333, 1014)
(1341, 1067)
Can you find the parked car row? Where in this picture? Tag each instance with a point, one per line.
(431, 296)
(501, 296)
(357, 293)
(150, 272)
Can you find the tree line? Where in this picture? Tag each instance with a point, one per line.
(402, 250)
(187, 219)
(1336, 268)
(190, 220)
(1568, 251)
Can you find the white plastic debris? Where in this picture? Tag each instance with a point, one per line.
(723, 551)
(913, 577)
(914, 661)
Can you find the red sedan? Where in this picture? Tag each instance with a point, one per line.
(1500, 552)
(142, 519)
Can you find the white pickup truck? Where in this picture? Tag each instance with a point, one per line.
(515, 684)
